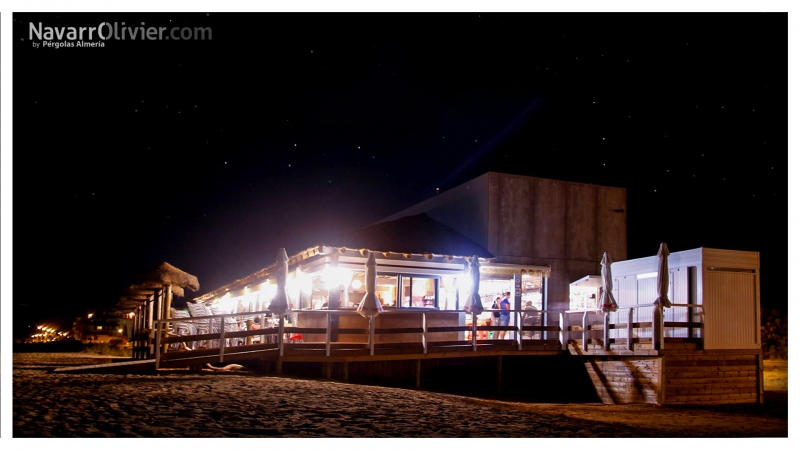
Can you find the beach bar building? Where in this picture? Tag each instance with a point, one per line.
(432, 272)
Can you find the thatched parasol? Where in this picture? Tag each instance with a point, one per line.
(167, 274)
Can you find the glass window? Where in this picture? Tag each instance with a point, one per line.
(355, 289)
(387, 290)
(448, 293)
(319, 292)
(419, 292)
(532, 290)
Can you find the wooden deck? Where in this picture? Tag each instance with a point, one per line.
(602, 345)
(349, 352)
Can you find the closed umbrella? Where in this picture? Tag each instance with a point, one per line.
(663, 277)
(607, 301)
(662, 300)
(473, 303)
(370, 306)
(280, 304)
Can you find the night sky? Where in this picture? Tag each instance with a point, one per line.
(287, 128)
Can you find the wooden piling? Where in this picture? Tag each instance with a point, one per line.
(500, 374)
(417, 373)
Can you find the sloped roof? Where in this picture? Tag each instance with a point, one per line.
(411, 234)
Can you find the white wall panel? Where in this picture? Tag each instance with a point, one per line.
(678, 294)
(730, 309)
(647, 292)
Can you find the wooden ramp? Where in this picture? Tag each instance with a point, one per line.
(122, 367)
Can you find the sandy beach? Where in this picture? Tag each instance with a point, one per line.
(246, 404)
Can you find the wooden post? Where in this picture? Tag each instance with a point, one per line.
(662, 385)
(222, 339)
(703, 328)
(158, 346)
(158, 309)
(327, 333)
(279, 366)
(372, 336)
(346, 375)
(424, 333)
(280, 335)
(328, 370)
(417, 373)
(606, 332)
(474, 332)
(499, 374)
(135, 336)
(585, 330)
(149, 325)
(760, 378)
(630, 329)
(658, 333)
(137, 339)
(139, 327)
(167, 314)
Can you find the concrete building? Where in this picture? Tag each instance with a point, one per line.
(536, 221)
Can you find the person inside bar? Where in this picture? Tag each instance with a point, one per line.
(495, 319)
(530, 318)
(505, 305)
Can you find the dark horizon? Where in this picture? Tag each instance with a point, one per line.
(286, 128)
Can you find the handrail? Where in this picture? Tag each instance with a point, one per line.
(517, 329)
(657, 323)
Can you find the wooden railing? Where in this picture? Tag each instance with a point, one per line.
(656, 324)
(160, 342)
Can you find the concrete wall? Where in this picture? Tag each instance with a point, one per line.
(527, 220)
(562, 224)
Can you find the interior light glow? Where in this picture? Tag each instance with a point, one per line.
(464, 286)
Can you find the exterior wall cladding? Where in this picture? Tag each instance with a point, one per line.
(528, 220)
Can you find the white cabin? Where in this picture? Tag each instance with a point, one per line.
(725, 282)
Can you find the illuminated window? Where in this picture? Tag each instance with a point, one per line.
(419, 292)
